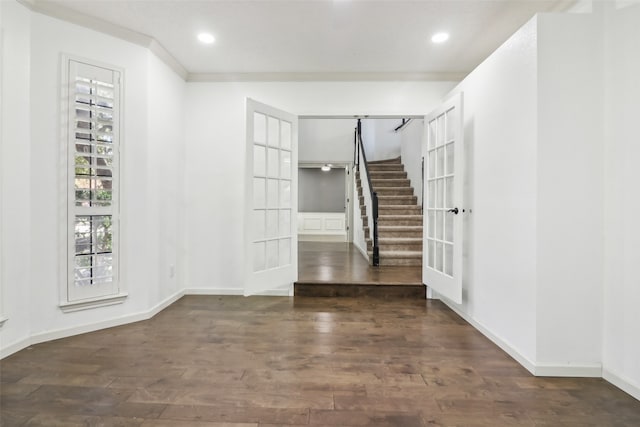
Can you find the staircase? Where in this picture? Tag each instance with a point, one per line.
(399, 215)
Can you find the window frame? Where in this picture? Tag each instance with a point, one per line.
(71, 301)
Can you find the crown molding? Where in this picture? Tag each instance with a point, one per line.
(563, 6)
(324, 77)
(58, 11)
(65, 14)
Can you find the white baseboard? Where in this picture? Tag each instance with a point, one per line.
(322, 237)
(503, 344)
(14, 347)
(622, 383)
(282, 292)
(590, 370)
(363, 251)
(214, 291)
(89, 327)
(165, 303)
(563, 370)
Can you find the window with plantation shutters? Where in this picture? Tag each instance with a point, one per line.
(93, 182)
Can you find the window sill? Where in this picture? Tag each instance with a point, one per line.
(70, 307)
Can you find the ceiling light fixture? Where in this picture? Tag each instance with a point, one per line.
(206, 38)
(440, 37)
(326, 167)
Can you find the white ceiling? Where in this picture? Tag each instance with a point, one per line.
(320, 36)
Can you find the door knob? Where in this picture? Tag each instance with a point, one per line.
(454, 210)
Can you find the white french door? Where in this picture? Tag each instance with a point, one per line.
(272, 199)
(443, 192)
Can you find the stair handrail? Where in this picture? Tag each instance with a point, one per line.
(372, 216)
(404, 123)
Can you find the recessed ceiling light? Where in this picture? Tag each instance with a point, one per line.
(440, 37)
(206, 38)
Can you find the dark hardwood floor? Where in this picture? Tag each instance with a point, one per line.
(339, 269)
(265, 361)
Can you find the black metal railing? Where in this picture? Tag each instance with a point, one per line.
(357, 154)
(403, 124)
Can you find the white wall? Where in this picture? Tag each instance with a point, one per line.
(326, 140)
(380, 140)
(16, 173)
(621, 344)
(500, 125)
(165, 180)
(216, 151)
(411, 152)
(569, 192)
(534, 128)
(152, 147)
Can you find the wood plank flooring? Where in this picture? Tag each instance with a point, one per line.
(339, 269)
(267, 361)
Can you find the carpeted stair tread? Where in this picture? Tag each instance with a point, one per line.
(399, 239)
(390, 182)
(399, 217)
(401, 254)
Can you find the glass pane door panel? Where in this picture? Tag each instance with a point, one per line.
(272, 253)
(440, 162)
(431, 253)
(259, 128)
(431, 135)
(451, 125)
(259, 161)
(285, 164)
(284, 227)
(259, 193)
(273, 163)
(272, 193)
(450, 158)
(448, 227)
(285, 194)
(448, 259)
(272, 224)
(439, 225)
(439, 257)
(440, 131)
(432, 164)
(259, 219)
(448, 189)
(274, 132)
(285, 251)
(431, 194)
(285, 135)
(259, 259)
(432, 223)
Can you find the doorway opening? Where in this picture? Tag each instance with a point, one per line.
(333, 250)
(324, 213)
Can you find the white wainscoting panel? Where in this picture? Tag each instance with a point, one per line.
(322, 226)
